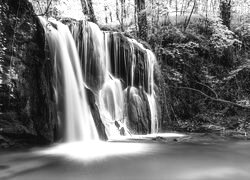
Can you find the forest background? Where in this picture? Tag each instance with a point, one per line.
(202, 49)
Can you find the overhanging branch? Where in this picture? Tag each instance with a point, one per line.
(212, 98)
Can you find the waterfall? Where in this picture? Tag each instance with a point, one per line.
(118, 70)
(151, 61)
(71, 99)
(110, 60)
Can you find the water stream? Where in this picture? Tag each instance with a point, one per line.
(71, 99)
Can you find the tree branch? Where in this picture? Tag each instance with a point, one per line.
(211, 98)
(216, 95)
(39, 6)
(47, 9)
(189, 18)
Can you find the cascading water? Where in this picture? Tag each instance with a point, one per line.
(96, 66)
(150, 63)
(111, 106)
(111, 96)
(132, 49)
(151, 93)
(71, 99)
(110, 63)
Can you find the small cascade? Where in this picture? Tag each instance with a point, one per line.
(93, 47)
(111, 97)
(72, 105)
(111, 106)
(89, 42)
(133, 60)
(151, 61)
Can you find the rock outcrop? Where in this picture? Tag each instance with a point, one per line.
(27, 107)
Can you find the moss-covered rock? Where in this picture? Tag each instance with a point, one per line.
(27, 100)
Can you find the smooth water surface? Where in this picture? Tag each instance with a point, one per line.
(144, 159)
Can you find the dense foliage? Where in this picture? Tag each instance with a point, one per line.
(207, 70)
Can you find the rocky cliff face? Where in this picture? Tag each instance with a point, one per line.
(27, 107)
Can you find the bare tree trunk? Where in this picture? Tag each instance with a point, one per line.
(122, 14)
(106, 12)
(225, 12)
(85, 9)
(135, 17)
(182, 7)
(190, 15)
(206, 20)
(88, 10)
(117, 11)
(110, 15)
(176, 12)
(142, 19)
